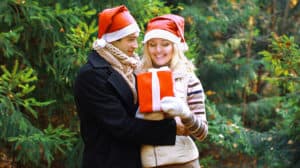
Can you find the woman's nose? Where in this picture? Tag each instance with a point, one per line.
(158, 48)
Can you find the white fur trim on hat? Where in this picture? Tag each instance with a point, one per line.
(110, 37)
(157, 33)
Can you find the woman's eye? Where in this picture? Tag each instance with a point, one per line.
(165, 44)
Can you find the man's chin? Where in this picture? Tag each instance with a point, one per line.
(130, 54)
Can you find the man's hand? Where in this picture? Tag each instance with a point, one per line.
(180, 128)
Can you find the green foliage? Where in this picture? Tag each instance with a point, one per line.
(14, 88)
(144, 10)
(227, 132)
(246, 54)
(243, 89)
(43, 145)
(38, 25)
(70, 55)
(17, 107)
(283, 61)
(8, 41)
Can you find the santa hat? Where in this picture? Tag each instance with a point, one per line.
(114, 24)
(169, 27)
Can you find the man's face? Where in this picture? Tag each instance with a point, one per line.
(127, 44)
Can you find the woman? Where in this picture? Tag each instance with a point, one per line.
(164, 45)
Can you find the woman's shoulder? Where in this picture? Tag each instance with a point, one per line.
(184, 73)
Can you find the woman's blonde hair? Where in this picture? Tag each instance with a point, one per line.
(178, 62)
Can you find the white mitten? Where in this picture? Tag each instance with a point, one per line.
(174, 106)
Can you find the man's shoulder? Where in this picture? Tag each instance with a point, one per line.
(96, 61)
(88, 68)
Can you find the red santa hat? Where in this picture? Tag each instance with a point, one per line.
(114, 24)
(169, 27)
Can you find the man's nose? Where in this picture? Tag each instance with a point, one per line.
(135, 45)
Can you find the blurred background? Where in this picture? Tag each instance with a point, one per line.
(247, 57)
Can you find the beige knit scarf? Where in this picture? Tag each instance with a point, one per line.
(122, 63)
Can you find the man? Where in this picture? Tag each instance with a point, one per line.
(106, 98)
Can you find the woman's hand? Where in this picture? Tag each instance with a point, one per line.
(174, 106)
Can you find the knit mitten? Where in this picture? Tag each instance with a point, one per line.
(174, 106)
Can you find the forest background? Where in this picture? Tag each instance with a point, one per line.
(247, 57)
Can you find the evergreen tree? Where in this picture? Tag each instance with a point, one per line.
(246, 53)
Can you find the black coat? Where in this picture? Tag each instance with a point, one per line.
(111, 133)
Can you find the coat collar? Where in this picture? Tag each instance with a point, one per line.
(96, 61)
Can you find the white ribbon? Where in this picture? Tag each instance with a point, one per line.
(156, 87)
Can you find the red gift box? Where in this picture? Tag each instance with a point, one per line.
(152, 87)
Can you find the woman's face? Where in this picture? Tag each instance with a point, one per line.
(160, 51)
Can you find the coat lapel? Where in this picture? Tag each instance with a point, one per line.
(121, 86)
(115, 79)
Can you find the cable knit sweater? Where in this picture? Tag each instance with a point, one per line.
(188, 87)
